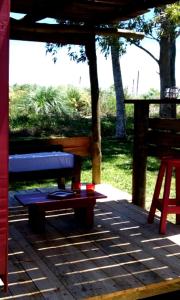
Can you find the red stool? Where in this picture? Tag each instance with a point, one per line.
(166, 205)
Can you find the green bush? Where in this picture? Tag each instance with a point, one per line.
(64, 111)
(79, 100)
(107, 102)
(38, 109)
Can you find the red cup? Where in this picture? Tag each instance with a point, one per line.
(76, 186)
(90, 188)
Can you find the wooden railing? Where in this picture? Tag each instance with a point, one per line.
(152, 137)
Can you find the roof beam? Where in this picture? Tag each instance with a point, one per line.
(92, 12)
(69, 34)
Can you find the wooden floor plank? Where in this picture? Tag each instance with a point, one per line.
(149, 231)
(162, 264)
(146, 240)
(42, 277)
(103, 264)
(58, 251)
(122, 257)
(115, 262)
(141, 292)
(20, 283)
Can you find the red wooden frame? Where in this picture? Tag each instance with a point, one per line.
(4, 91)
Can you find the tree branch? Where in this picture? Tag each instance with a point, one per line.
(147, 51)
(152, 37)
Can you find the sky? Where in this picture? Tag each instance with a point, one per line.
(30, 64)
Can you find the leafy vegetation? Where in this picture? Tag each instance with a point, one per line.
(39, 111)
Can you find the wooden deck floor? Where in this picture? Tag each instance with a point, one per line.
(123, 257)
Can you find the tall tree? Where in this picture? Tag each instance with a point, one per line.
(162, 25)
(118, 84)
(116, 47)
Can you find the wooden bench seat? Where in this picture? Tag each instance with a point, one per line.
(78, 146)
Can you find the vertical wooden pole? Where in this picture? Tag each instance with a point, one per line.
(141, 114)
(4, 86)
(96, 128)
(177, 194)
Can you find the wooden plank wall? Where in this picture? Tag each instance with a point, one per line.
(152, 137)
(163, 137)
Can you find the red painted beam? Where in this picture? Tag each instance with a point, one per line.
(4, 131)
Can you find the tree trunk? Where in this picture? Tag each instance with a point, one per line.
(167, 70)
(96, 126)
(120, 107)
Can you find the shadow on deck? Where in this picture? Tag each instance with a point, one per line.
(123, 257)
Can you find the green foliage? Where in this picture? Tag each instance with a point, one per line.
(41, 110)
(75, 53)
(19, 99)
(151, 94)
(79, 100)
(157, 22)
(108, 101)
(104, 43)
(173, 13)
(63, 111)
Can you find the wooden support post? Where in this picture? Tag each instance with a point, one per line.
(96, 128)
(177, 194)
(4, 130)
(141, 114)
